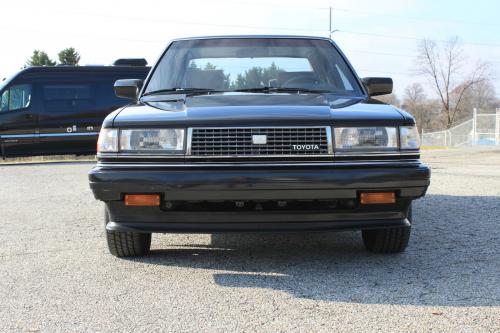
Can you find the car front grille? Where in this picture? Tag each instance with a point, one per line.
(260, 141)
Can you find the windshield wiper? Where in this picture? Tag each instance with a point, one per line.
(196, 91)
(189, 91)
(281, 89)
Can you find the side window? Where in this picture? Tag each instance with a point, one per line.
(107, 101)
(68, 97)
(106, 96)
(4, 102)
(16, 97)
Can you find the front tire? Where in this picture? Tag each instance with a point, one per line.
(388, 240)
(127, 244)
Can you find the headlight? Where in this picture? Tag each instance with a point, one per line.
(357, 138)
(409, 137)
(165, 141)
(108, 141)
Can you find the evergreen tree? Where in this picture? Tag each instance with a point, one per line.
(69, 56)
(210, 66)
(40, 58)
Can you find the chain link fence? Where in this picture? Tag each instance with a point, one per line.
(482, 129)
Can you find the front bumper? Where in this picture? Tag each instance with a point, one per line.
(256, 183)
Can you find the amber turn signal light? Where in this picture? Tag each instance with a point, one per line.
(142, 199)
(368, 198)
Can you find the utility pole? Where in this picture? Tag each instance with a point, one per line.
(330, 26)
(497, 126)
(474, 127)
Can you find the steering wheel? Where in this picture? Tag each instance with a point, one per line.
(300, 79)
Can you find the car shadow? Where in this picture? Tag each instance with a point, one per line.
(452, 259)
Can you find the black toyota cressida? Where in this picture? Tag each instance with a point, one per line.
(257, 134)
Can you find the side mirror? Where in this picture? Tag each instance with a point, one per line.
(128, 88)
(377, 85)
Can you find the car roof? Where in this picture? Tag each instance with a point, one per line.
(48, 71)
(255, 36)
(65, 69)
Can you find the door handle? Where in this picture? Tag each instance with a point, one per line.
(28, 116)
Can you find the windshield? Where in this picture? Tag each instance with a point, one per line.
(232, 64)
(5, 81)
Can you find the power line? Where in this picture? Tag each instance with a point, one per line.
(414, 38)
(385, 72)
(413, 18)
(406, 74)
(321, 31)
(285, 29)
(381, 53)
(409, 56)
(220, 25)
(280, 28)
(365, 12)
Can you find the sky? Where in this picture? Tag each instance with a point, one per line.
(379, 37)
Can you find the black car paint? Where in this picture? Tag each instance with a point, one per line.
(258, 109)
(198, 182)
(38, 130)
(294, 181)
(186, 180)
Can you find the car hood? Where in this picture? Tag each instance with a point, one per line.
(258, 110)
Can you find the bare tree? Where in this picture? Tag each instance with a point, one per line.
(389, 99)
(415, 102)
(480, 96)
(445, 67)
(483, 96)
(414, 94)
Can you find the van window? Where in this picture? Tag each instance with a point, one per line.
(106, 96)
(16, 97)
(68, 97)
(4, 102)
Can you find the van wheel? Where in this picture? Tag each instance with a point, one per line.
(127, 244)
(388, 240)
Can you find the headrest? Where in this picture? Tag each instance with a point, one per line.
(285, 76)
(209, 78)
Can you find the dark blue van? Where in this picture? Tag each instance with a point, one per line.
(59, 110)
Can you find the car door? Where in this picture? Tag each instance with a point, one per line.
(18, 120)
(66, 121)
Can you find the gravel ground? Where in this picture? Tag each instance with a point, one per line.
(56, 273)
